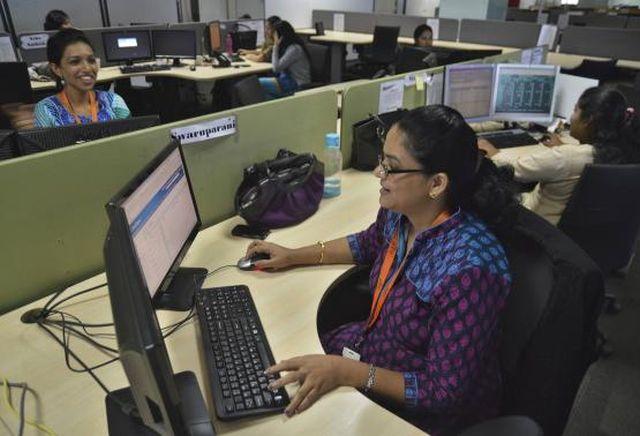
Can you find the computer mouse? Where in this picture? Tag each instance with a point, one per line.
(248, 263)
(192, 68)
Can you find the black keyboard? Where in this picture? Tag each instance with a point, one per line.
(237, 353)
(509, 138)
(145, 68)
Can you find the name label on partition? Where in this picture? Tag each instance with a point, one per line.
(201, 132)
(32, 42)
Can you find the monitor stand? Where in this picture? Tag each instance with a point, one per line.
(193, 408)
(179, 295)
(177, 63)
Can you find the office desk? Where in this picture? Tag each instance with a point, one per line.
(287, 302)
(338, 41)
(202, 73)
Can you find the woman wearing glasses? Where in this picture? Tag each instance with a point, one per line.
(439, 281)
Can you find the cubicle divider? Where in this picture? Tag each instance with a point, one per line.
(599, 20)
(362, 100)
(365, 22)
(31, 46)
(53, 222)
(500, 33)
(607, 43)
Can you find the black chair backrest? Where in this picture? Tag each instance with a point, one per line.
(247, 91)
(603, 214)
(411, 59)
(319, 56)
(385, 38)
(549, 322)
(601, 70)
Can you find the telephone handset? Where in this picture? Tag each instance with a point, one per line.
(223, 60)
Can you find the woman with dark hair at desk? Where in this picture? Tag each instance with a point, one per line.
(56, 20)
(290, 60)
(71, 59)
(263, 54)
(604, 129)
(439, 280)
(423, 36)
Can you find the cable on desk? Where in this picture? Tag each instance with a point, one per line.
(21, 415)
(220, 268)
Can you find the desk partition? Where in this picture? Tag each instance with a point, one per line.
(500, 33)
(607, 43)
(361, 100)
(53, 221)
(598, 20)
(33, 55)
(365, 22)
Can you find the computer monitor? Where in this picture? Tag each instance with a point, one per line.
(244, 40)
(257, 25)
(215, 37)
(468, 89)
(568, 91)
(15, 85)
(127, 46)
(524, 92)
(175, 44)
(152, 222)
(8, 149)
(48, 138)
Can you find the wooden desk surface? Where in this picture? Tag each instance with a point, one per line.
(202, 73)
(72, 403)
(566, 60)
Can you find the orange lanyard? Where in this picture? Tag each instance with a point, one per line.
(382, 292)
(93, 106)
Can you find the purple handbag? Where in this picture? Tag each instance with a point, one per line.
(280, 192)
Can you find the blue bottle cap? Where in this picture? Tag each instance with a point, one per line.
(332, 140)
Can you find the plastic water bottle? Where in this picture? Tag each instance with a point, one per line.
(332, 165)
(228, 44)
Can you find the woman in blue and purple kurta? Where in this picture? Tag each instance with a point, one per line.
(431, 353)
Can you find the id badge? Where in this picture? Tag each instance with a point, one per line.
(350, 354)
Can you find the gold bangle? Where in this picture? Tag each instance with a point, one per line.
(321, 244)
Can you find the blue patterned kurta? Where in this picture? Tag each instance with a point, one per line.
(440, 324)
(49, 112)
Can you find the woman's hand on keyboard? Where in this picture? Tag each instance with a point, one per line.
(552, 140)
(317, 375)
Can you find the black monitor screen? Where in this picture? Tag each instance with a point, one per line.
(174, 43)
(127, 45)
(15, 85)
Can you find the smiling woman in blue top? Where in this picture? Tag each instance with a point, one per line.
(72, 60)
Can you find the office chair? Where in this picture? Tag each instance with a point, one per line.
(556, 288)
(603, 216)
(247, 91)
(600, 70)
(319, 57)
(380, 54)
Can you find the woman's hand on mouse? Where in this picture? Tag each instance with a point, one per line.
(552, 140)
(279, 256)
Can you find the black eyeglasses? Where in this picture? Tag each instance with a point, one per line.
(385, 170)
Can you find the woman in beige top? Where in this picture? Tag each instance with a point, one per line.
(601, 118)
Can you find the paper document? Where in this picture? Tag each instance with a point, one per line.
(33, 41)
(409, 79)
(391, 96)
(435, 90)
(7, 53)
(338, 22)
(547, 35)
(434, 23)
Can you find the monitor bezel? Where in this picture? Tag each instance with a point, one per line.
(524, 116)
(117, 202)
(447, 78)
(128, 59)
(173, 56)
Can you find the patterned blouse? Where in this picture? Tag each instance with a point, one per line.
(49, 112)
(440, 325)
